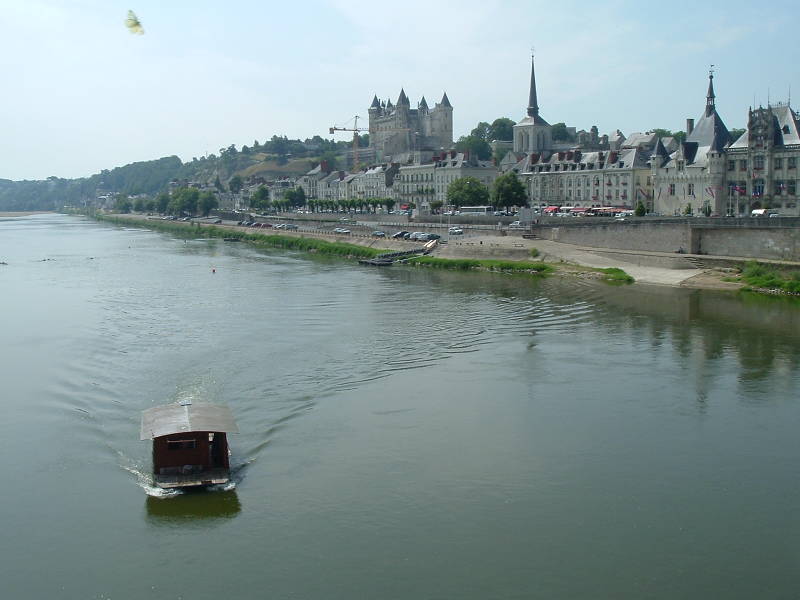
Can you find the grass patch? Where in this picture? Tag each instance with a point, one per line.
(759, 276)
(286, 242)
(615, 275)
(534, 252)
(472, 264)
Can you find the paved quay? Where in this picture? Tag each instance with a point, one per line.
(645, 267)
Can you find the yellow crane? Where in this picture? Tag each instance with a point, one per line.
(355, 129)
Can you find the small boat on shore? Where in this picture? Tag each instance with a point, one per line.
(190, 444)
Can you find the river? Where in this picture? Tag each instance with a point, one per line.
(405, 433)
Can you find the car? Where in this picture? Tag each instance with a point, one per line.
(289, 226)
(279, 225)
(400, 234)
(456, 231)
(515, 224)
(379, 234)
(216, 221)
(432, 236)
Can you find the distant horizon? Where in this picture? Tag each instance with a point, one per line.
(90, 96)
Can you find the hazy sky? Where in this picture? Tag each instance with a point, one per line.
(82, 94)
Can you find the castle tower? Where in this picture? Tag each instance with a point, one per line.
(532, 133)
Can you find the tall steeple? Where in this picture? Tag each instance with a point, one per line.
(533, 104)
(710, 95)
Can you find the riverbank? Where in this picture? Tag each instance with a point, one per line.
(23, 213)
(656, 268)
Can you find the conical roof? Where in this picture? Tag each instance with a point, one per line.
(423, 104)
(375, 102)
(402, 100)
(710, 130)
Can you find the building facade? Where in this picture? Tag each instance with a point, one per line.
(762, 165)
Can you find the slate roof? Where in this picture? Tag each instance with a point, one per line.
(179, 418)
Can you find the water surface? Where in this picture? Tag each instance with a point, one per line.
(404, 433)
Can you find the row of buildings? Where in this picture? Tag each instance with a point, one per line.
(707, 171)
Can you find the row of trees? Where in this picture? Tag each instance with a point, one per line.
(506, 191)
(188, 201)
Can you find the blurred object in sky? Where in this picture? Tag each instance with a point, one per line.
(133, 24)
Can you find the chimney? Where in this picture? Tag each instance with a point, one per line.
(689, 126)
(323, 166)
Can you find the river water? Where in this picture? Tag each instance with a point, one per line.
(404, 433)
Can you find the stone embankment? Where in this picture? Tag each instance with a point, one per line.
(662, 268)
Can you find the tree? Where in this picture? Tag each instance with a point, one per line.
(679, 136)
(139, 204)
(260, 199)
(508, 190)
(501, 129)
(640, 210)
(206, 202)
(122, 204)
(467, 191)
(688, 209)
(475, 146)
(235, 184)
(162, 201)
(183, 200)
(436, 205)
(560, 133)
(481, 131)
(736, 134)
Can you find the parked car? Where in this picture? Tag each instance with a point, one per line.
(379, 234)
(400, 234)
(215, 221)
(456, 231)
(289, 226)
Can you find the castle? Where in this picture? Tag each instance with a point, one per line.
(397, 129)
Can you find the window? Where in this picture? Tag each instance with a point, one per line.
(743, 165)
(778, 163)
(779, 187)
(690, 191)
(731, 165)
(758, 162)
(758, 187)
(680, 166)
(181, 444)
(671, 189)
(792, 162)
(791, 188)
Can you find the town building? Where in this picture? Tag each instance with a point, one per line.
(692, 178)
(422, 184)
(761, 166)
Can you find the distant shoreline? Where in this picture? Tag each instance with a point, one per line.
(23, 213)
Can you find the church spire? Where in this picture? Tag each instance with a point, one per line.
(710, 95)
(533, 104)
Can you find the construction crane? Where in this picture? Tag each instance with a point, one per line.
(355, 129)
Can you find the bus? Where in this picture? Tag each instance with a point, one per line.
(475, 210)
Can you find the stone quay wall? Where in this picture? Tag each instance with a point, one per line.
(770, 239)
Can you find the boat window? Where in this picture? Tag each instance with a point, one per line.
(181, 444)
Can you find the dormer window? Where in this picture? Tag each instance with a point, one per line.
(681, 164)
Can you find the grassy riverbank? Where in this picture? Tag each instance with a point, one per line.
(305, 244)
(473, 264)
(769, 279)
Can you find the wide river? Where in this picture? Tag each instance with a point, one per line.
(405, 433)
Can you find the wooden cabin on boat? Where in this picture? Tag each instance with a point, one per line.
(190, 443)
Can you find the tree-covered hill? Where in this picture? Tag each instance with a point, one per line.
(275, 157)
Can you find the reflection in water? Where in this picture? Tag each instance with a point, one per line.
(193, 505)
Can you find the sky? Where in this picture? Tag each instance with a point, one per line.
(83, 94)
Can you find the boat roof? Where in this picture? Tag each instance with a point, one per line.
(183, 418)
